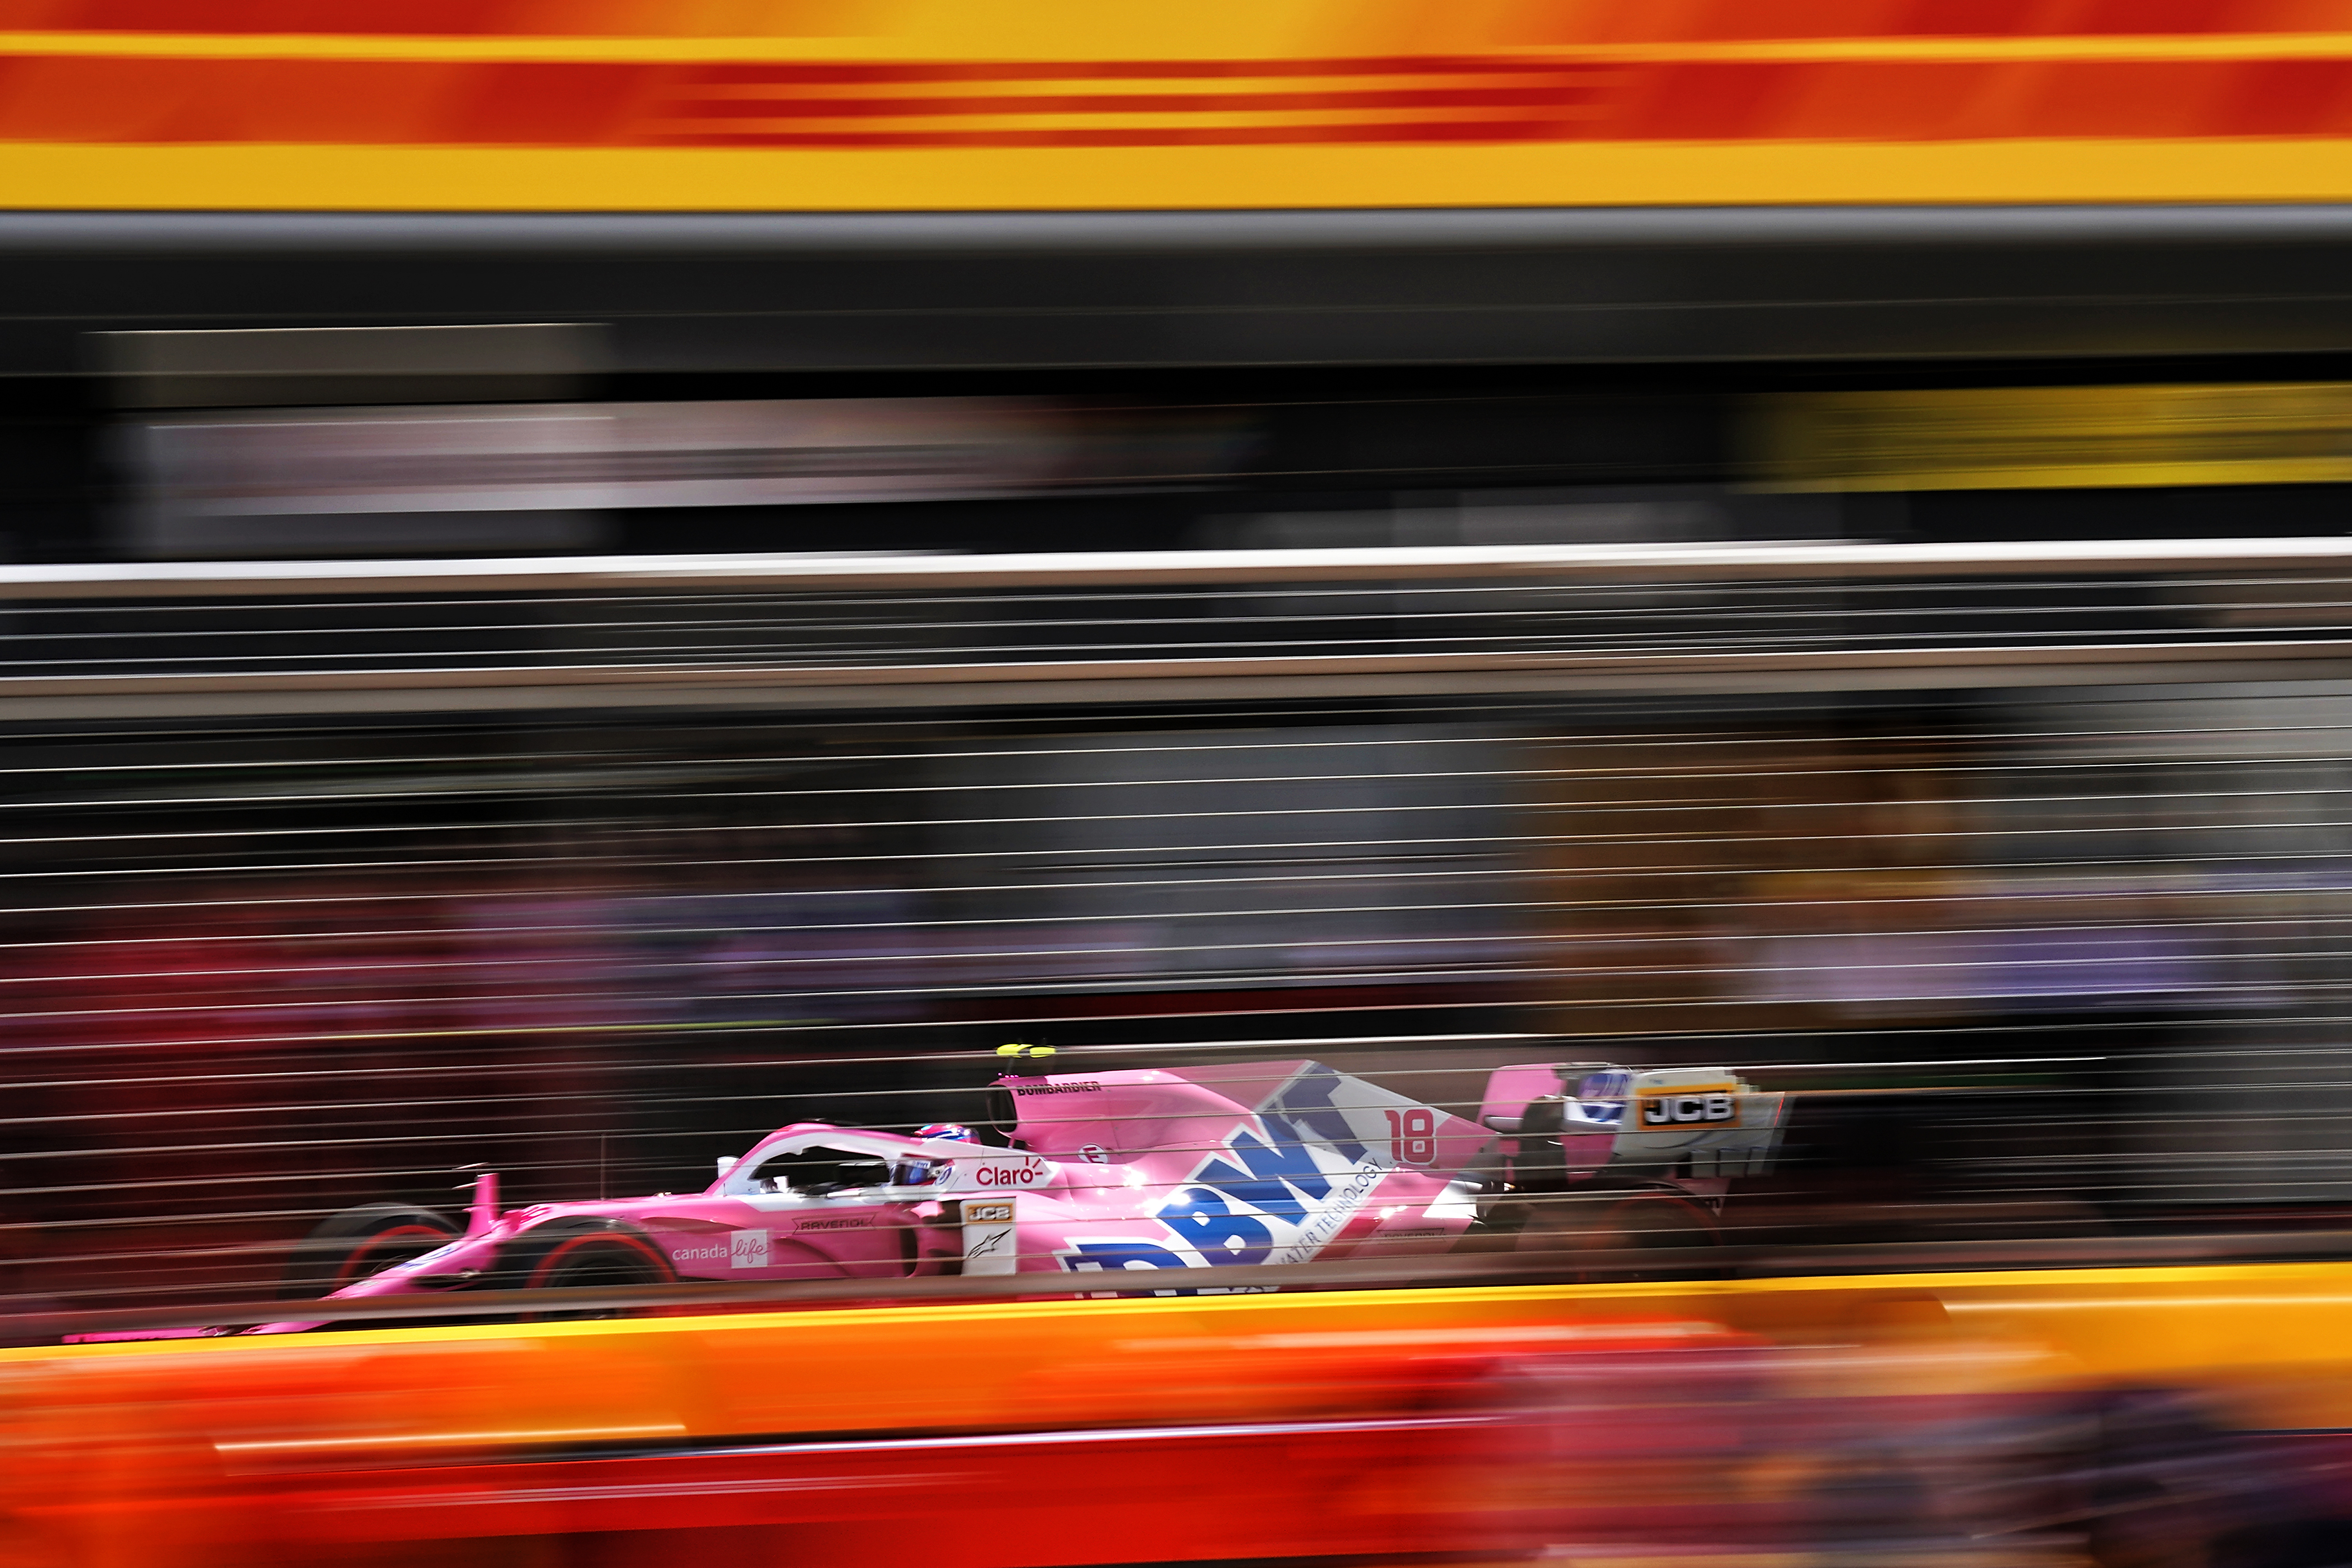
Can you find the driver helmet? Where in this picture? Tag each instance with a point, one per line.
(947, 1132)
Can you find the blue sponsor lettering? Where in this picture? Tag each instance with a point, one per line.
(1201, 1217)
(1271, 1196)
(1226, 1214)
(1281, 1177)
(1285, 1160)
(1122, 1255)
(1306, 1100)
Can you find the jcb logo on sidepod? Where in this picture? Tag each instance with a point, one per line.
(1690, 1108)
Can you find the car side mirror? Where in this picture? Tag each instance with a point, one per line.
(729, 1161)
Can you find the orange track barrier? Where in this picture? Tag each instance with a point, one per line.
(1059, 1423)
(978, 104)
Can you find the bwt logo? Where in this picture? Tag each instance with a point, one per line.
(1231, 1216)
(1010, 1175)
(1229, 1210)
(1685, 1109)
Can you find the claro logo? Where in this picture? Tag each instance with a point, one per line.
(1029, 1172)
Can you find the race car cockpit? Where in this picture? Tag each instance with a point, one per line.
(813, 1169)
(819, 1172)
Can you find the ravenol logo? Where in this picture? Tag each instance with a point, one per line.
(1270, 1199)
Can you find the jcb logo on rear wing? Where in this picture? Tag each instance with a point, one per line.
(1688, 1108)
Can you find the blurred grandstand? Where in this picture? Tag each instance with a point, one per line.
(1513, 555)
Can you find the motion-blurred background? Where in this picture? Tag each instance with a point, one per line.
(580, 582)
(580, 587)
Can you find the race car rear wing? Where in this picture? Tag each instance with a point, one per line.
(1653, 1122)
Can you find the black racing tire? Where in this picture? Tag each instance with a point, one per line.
(1625, 1230)
(568, 1257)
(1497, 1228)
(348, 1247)
(2316, 1541)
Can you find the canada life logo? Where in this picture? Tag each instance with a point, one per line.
(1028, 1174)
(748, 1249)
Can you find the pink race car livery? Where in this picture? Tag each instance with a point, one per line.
(1110, 1171)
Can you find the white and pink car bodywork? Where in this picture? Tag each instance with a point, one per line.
(1136, 1170)
(1114, 1170)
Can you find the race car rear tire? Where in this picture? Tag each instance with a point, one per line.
(348, 1247)
(575, 1257)
(1641, 1234)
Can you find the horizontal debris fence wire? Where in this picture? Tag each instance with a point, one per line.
(2026, 871)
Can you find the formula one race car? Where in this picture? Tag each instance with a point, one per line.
(1118, 1170)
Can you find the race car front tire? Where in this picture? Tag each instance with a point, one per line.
(574, 1257)
(348, 1247)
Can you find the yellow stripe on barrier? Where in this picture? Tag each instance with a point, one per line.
(336, 177)
(2272, 1335)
